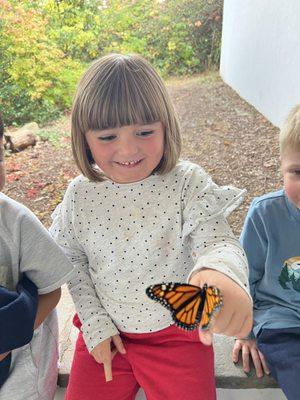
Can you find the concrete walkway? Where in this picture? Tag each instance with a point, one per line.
(225, 394)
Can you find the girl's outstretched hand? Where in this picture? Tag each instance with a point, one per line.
(235, 316)
(249, 350)
(103, 353)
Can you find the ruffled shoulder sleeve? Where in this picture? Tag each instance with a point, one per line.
(205, 229)
(203, 200)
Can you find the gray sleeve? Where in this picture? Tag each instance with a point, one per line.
(96, 323)
(40, 258)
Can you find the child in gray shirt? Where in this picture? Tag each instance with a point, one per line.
(27, 248)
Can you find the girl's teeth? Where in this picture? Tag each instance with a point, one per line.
(129, 162)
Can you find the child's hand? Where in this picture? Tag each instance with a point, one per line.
(103, 353)
(248, 347)
(3, 355)
(235, 316)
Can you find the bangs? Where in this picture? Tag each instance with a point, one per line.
(126, 96)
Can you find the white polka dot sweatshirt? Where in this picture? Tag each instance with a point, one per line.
(121, 238)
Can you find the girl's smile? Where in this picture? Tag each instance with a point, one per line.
(129, 164)
(128, 153)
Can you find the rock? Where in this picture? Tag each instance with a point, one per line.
(20, 139)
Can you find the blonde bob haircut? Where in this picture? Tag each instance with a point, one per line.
(289, 137)
(119, 90)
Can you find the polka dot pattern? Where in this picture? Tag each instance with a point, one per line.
(124, 237)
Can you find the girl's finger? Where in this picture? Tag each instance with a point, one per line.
(206, 337)
(119, 344)
(113, 353)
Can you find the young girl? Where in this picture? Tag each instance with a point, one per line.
(138, 216)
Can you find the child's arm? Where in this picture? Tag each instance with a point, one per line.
(219, 259)
(249, 350)
(254, 241)
(46, 303)
(97, 327)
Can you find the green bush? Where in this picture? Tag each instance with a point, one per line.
(46, 44)
(36, 80)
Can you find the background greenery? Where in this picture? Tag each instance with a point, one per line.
(45, 45)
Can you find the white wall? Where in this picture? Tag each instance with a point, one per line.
(260, 56)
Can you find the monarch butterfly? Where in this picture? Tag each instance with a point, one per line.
(189, 305)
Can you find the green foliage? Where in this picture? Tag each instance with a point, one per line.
(36, 79)
(46, 44)
(53, 135)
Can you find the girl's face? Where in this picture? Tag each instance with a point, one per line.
(290, 166)
(129, 153)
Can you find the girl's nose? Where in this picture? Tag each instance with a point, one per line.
(128, 148)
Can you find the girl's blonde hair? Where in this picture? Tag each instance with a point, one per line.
(289, 137)
(119, 90)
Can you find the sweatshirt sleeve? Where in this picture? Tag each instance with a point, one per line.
(96, 323)
(253, 236)
(206, 230)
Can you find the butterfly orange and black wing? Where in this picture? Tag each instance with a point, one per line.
(213, 302)
(184, 301)
(189, 305)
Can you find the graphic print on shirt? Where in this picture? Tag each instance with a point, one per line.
(290, 274)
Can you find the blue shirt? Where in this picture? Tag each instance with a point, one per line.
(271, 239)
(17, 315)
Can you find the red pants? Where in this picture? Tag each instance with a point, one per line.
(170, 364)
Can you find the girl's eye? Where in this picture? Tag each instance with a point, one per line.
(106, 138)
(297, 172)
(145, 133)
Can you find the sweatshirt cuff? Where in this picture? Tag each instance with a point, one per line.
(102, 330)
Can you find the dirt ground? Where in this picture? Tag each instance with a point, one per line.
(221, 132)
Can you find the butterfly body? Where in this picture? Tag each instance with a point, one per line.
(190, 305)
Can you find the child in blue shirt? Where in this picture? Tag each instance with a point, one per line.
(271, 239)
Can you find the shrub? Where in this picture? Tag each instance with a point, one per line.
(46, 44)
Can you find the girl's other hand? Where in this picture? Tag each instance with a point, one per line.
(103, 353)
(235, 316)
(249, 349)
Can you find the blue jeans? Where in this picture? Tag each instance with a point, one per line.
(281, 348)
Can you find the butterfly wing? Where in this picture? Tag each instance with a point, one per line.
(213, 302)
(185, 302)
